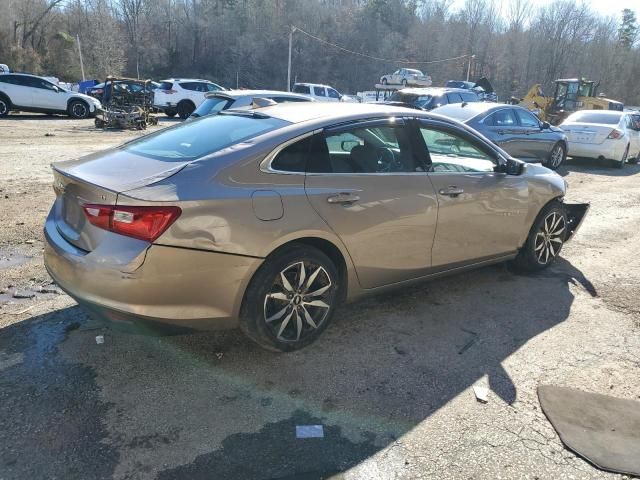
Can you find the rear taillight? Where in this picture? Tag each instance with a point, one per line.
(144, 223)
(615, 133)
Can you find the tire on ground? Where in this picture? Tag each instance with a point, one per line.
(252, 315)
(185, 108)
(78, 109)
(527, 259)
(5, 106)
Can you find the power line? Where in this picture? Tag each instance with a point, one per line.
(371, 57)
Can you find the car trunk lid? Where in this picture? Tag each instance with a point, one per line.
(590, 133)
(99, 180)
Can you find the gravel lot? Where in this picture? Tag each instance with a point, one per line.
(390, 380)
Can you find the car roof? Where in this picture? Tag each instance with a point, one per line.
(186, 80)
(431, 90)
(605, 112)
(312, 84)
(256, 93)
(298, 113)
(466, 111)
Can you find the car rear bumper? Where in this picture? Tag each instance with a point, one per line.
(610, 149)
(184, 288)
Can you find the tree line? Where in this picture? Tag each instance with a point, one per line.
(245, 42)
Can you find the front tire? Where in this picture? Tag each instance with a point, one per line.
(545, 240)
(185, 108)
(78, 109)
(291, 299)
(556, 157)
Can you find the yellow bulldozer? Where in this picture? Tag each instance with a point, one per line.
(571, 94)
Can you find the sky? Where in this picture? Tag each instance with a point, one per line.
(603, 7)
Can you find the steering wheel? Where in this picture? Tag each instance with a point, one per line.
(386, 160)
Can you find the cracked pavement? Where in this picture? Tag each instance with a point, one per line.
(391, 380)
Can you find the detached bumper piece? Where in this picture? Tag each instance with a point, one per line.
(575, 215)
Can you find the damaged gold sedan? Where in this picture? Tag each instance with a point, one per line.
(269, 218)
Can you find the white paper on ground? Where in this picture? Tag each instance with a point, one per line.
(309, 431)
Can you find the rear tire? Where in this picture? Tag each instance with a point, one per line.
(545, 240)
(620, 163)
(185, 108)
(286, 306)
(557, 156)
(384, 81)
(404, 82)
(5, 107)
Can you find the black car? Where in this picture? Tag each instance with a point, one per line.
(482, 88)
(515, 129)
(431, 97)
(133, 87)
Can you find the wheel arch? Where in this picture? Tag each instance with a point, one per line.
(78, 99)
(558, 198)
(5, 97)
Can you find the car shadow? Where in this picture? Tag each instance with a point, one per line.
(214, 405)
(597, 167)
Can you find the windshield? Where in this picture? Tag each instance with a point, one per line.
(212, 105)
(416, 100)
(595, 117)
(192, 140)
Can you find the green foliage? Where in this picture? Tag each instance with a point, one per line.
(628, 31)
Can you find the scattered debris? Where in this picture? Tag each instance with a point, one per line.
(219, 355)
(99, 339)
(481, 393)
(309, 431)
(23, 294)
(29, 242)
(467, 345)
(50, 289)
(25, 310)
(49, 134)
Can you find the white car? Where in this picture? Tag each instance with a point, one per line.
(321, 93)
(29, 93)
(405, 77)
(603, 134)
(182, 95)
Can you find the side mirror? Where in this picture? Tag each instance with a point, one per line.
(546, 125)
(514, 167)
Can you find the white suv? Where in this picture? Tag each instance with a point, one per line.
(321, 93)
(182, 95)
(28, 93)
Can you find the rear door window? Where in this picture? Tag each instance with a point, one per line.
(502, 118)
(304, 89)
(192, 140)
(319, 92)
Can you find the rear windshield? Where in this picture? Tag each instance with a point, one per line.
(304, 89)
(421, 101)
(212, 105)
(192, 140)
(595, 117)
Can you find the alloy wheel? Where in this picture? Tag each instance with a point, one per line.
(79, 110)
(3, 107)
(550, 238)
(556, 156)
(299, 301)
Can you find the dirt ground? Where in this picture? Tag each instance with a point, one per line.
(391, 380)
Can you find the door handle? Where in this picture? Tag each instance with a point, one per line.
(451, 191)
(500, 132)
(344, 198)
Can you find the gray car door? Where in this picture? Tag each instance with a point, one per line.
(502, 128)
(539, 141)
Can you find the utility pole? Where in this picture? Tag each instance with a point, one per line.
(471, 57)
(80, 54)
(293, 29)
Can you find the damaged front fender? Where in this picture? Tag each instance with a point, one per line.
(575, 215)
